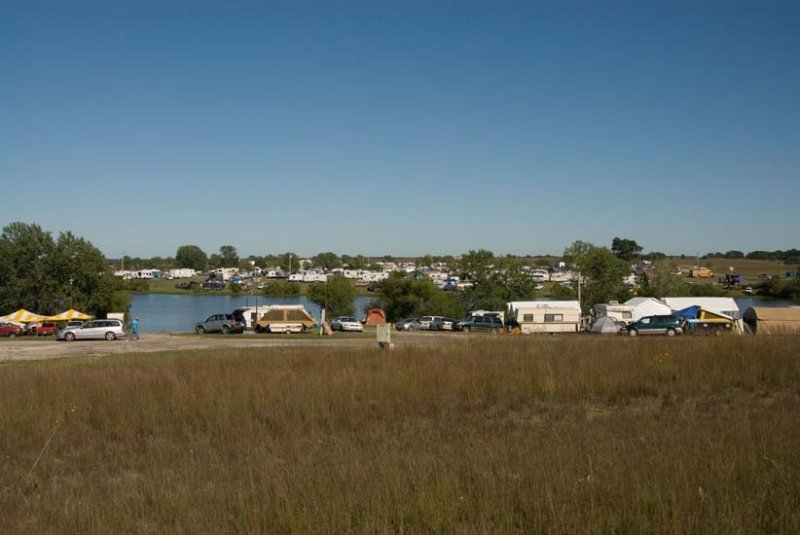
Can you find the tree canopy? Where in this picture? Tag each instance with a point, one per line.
(48, 276)
(191, 257)
(336, 296)
(625, 249)
(602, 273)
(405, 297)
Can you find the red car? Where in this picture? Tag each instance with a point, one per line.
(10, 330)
(48, 328)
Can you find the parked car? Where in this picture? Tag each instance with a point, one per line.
(219, 323)
(10, 330)
(426, 321)
(443, 324)
(214, 285)
(410, 324)
(186, 285)
(669, 325)
(101, 329)
(479, 323)
(47, 328)
(346, 323)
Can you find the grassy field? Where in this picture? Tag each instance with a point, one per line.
(504, 434)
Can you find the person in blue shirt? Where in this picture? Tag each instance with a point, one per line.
(135, 329)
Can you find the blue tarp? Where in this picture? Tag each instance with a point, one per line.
(689, 313)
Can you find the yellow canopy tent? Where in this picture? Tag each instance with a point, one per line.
(67, 315)
(23, 316)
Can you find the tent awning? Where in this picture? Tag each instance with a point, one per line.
(67, 315)
(23, 316)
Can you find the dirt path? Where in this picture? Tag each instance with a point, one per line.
(43, 349)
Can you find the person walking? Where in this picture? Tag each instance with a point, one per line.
(135, 329)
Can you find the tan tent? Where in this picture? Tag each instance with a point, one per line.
(23, 316)
(67, 315)
(375, 316)
(773, 320)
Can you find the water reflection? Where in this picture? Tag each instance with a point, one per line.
(175, 313)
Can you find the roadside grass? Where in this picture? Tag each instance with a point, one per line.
(503, 434)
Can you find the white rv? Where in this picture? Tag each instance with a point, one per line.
(546, 316)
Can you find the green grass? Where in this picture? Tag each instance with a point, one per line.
(509, 434)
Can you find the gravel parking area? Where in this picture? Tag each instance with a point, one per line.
(20, 349)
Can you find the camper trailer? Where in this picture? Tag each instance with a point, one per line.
(546, 316)
(284, 319)
(620, 313)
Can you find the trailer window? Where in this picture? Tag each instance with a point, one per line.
(627, 315)
(527, 317)
(552, 318)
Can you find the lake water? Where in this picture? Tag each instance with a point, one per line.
(175, 313)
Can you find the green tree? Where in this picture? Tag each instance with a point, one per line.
(404, 297)
(602, 273)
(624, 249)
(229, 256)
(289, 262)
(191, 257)
(495, 281)
(336, 296)
(326, 261)
(48, 276)
(662, 280)
(278, 288)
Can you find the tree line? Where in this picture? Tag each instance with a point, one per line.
(48, 275)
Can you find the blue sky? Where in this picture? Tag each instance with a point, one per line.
(402, 128)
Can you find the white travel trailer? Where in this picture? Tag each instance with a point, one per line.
(181, 273)
(546, 316)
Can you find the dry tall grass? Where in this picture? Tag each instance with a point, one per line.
(563, 435)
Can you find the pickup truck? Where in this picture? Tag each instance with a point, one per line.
(46, 328)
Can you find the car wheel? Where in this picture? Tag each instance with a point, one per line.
(226, 329)
(633, 332)
(69, 337)
(111, 337)
(467, 328)
(670, 332)
(200, 330)
(12, 335)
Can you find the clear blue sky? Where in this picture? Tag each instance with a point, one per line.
(402, 128)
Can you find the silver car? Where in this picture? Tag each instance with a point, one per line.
(106, 329)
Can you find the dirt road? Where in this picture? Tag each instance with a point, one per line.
(43, 349)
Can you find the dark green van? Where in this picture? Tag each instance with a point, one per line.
(667, 325)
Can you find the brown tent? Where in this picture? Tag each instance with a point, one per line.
(375, 316)
(773, 320)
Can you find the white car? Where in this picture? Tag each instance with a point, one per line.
(108, 329)
(346, 323)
